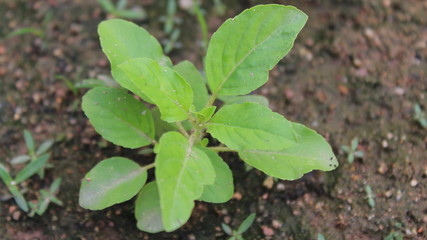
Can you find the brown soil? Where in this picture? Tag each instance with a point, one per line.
(356, 70)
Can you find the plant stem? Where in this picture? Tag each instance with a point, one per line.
(182, 129)
(151, 165)
(202, 23)
(221, 149)
(211, 99)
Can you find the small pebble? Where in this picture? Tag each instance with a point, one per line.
(384, 144)
(267, 231)
(414, 183)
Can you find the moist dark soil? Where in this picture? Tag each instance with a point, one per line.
(356, 70)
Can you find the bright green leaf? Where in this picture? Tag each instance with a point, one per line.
(119, 117)
(311, 152)
(165, 87)
(205, 114)
(30, 169)
(181, 172)
(246, 47)
(196, 81)
(251, 126)
(122, 40)
(160, 125)
(54, 187)
(147, 209)
(111, 181)
(223, 188)
(244, 99)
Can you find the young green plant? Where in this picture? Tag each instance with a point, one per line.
(352, 151)
(187, 166)
(244, 226)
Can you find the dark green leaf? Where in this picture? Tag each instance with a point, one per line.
(29, 141)
(19, 198)
(246, 224)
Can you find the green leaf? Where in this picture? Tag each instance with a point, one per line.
(311, 152)
(119, 117)
(160, 125)
(122, 40)
(244, 99)
(196, 81)
(4, 175)
(19, 198)
(20, 159)
(29, 141)
(165, 87)
(93, 83)
(54, 187)
(205, 114)
(107, 5)
(133, 14)
(147, 209)
(246, 224)
(246, 47)
(113, 180)
(181, 172)
(226, 228)
(223, 188)
(46, 145)
(251, 126)
(31, 168)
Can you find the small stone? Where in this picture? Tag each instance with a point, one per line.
(268, 182)
(388, 194)
(16, 215)
(280, 187)
(399, 195)
(382, 169)
(384, 144)
(414, 183)
(276, 224)
(389, 135)
(267, 230)
(237, 196)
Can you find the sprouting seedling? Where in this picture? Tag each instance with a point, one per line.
(39, 32)
(420, 116)
(12, 183)
(34, 153)
(46, 197)
(185, 130)
(370, 196)
(244, 226)
(352, 151)
(119, 10)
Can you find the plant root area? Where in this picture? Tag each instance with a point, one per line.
(356, 70)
